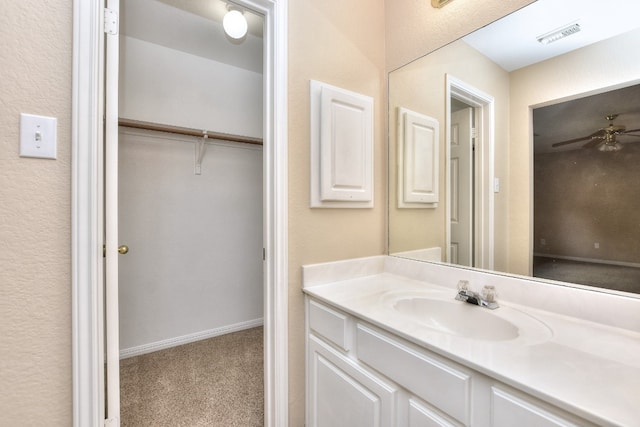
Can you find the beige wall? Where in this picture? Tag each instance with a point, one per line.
(35, 217)
(341, 43)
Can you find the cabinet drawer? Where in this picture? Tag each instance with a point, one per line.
(507, 410)
(430, 379)
(329, 323)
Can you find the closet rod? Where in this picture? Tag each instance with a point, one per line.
(136, 124)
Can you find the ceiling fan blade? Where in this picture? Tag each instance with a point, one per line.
(629, 131)
(571, 141)
(593, 143)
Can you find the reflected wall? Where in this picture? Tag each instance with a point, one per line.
(420, 86)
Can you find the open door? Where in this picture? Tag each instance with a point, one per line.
(112, 250)
(461, 197)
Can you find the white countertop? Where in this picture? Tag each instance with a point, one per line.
(587, 368)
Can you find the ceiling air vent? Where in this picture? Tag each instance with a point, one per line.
(559, 33)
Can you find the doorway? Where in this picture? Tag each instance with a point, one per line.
(469, 175)
(88, 331)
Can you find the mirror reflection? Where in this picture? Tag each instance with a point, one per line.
(462, 121)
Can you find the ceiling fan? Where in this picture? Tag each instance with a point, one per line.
(604, 138)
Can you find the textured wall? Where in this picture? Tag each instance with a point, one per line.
(582, 197)
(35, 206)
(340, 43)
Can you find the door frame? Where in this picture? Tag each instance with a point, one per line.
(87, 211)
(483, 105)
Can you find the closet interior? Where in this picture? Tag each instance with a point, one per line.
(191, 212)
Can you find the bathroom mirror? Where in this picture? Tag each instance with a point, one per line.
(500, 79)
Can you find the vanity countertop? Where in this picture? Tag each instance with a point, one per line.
(585, 367)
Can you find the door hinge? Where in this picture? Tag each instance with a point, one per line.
(264, 254)
(474, 133)
(110, 22)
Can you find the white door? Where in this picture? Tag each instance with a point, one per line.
(112, 244)
(461, 197)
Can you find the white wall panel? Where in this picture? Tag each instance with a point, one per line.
(341, 147)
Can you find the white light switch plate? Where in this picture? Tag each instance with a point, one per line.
(38, 136)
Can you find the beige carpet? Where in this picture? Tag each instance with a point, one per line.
(620, 278)
(214, 382)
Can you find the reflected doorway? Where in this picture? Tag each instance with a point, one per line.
(469, 175)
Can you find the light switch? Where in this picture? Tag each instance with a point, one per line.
(38, 136)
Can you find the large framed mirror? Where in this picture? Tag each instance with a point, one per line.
(518, 105)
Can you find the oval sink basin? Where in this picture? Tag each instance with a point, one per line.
(458, 318)
(461, 319)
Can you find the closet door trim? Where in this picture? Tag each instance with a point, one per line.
(87, 322)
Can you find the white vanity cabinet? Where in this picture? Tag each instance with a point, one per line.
(361, 375)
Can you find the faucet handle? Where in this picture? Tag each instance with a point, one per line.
(488, 293)
(463, 285)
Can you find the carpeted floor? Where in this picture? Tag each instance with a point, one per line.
(214, 382)
(607, 276)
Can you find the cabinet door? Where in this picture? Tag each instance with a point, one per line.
(342, 394)
(509, 410)
(421, 416)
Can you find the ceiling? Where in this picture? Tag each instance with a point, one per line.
(512, 42)
(194, 27)
(582, 117)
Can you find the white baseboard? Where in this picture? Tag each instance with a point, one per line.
(186, 339)
(591, 260)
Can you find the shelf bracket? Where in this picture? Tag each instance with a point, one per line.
(201, 149)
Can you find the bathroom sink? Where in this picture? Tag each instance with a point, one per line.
(461, 319)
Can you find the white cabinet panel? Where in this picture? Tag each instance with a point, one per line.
(342, 394)
(443, 386)
(341, 147)
(421, 416)
(329, 324)
(509, 410)
(418, 162)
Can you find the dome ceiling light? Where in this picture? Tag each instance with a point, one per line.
(234, 23)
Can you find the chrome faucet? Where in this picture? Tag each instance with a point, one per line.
(486, 298)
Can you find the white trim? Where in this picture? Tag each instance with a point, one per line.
(484, 192)
(589, 260)
(88, 388)
(86, 270)
(189, 338)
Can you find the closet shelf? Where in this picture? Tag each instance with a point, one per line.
(136, 124)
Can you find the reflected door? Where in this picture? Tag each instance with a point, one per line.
(461, 197)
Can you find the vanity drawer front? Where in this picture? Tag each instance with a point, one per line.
(329, 324)
(441, 385)
(508, 409)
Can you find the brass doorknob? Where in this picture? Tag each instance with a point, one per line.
(123, 249)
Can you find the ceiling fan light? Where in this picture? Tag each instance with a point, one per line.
(608, 148)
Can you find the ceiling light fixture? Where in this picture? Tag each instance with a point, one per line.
(559, 33)
(439, 3)
(235, 24)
